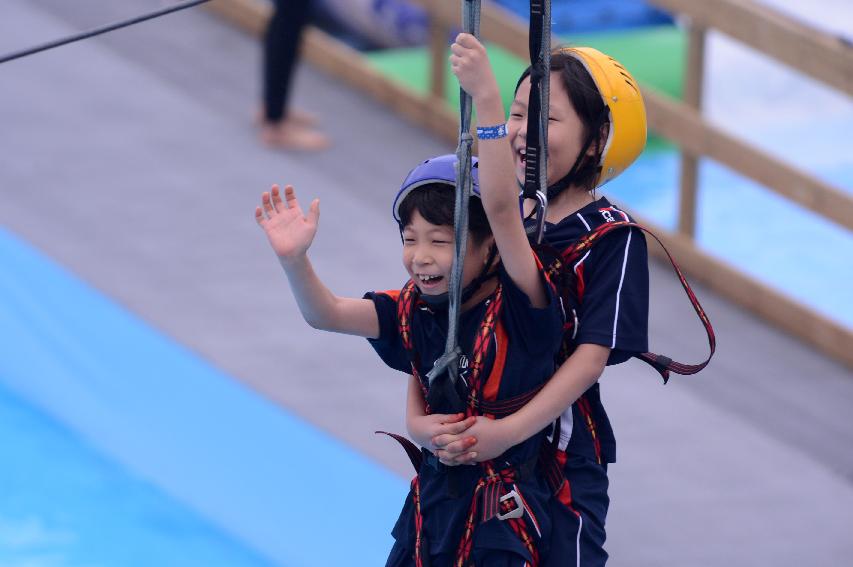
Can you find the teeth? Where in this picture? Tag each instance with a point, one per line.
(426, 279)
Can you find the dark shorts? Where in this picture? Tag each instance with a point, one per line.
(578, 530)
(402, 557)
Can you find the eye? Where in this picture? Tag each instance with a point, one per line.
(408, 240)
(516, 115)
(440, 242)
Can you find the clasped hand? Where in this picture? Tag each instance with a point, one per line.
(457, 440)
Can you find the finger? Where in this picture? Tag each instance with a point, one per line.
(442, 439)
(259, 216)
(460, 446)
(290, 197)
(460, 426)
(452, 443)
(276, 198)
(456, 460)
(449, 417)
(265, 201)
(314, 212)
(447, 461)
(464, 39)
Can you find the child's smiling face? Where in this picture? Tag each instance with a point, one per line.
(565, 130)
(428, 253)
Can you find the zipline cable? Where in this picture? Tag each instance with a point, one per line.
(100, 30)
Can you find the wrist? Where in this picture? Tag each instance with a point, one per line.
(294, 261)
(489, 107)
(510, 430)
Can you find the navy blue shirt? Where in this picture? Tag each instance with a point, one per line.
(613, 310)
(532, 337)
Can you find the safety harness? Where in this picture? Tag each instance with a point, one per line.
(496, 493)
(559, 268)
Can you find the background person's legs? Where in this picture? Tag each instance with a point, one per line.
(282, 126)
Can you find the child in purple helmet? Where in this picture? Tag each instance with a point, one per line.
(495, 513)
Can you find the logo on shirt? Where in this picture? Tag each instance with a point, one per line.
(608, 216)
(464, 367)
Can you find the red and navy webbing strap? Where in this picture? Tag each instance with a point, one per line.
(482, 340)
(486, 503)
(663, 364)
(406, 303)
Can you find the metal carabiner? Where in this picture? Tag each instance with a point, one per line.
(541, 212)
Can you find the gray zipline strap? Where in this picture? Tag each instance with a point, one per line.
(449, 361)
(100, 30)
(536, 153)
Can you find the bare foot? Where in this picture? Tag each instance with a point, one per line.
(298, 117)
(291, 136)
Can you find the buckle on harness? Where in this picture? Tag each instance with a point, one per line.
(516, 512)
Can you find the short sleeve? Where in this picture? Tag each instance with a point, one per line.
(540, 329)
(614, 309)
(389, 345)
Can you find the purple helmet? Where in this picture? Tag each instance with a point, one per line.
(440, 169)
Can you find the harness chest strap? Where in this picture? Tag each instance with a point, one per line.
(663, 364)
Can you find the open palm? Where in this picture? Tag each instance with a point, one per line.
(290, 232)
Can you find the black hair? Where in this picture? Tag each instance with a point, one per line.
(436, 202)
(586, 100)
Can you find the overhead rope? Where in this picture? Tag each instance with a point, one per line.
(449, 361)
(100, 30)
(536, 153)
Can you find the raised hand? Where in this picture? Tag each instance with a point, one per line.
(290, 232)
(470, 63)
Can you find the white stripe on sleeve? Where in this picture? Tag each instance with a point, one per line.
(619, 290)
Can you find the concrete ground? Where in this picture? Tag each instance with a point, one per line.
(131, 160)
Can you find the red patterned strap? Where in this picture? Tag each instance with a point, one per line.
(487, 503)
(406, 302)
(481, 348)
(663, 364)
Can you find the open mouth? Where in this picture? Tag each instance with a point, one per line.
(428, 282)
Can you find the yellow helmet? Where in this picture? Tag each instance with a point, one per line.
(621, 95)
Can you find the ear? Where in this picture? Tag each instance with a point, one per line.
(598, 147)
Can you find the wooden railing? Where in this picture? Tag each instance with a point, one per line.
(820, 55)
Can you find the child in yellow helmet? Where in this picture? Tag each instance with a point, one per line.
(596, 129)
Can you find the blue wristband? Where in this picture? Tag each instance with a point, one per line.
(491, 132)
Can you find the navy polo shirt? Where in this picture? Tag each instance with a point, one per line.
(532, 339)
(613, 310)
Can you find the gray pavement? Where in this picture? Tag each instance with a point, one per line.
(131, 161)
